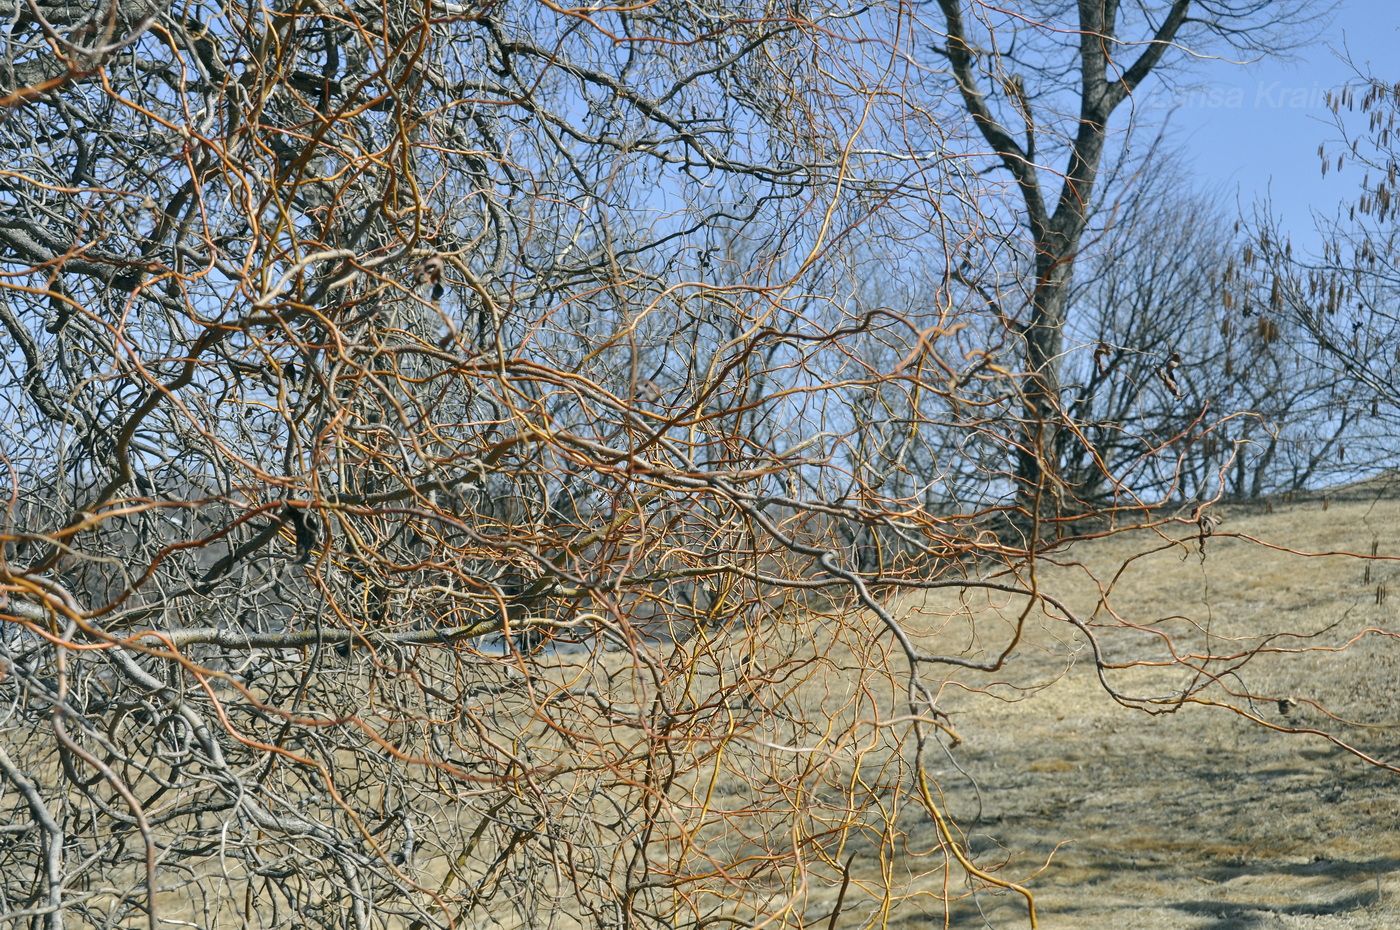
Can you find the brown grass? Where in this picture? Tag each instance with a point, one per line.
(1199, 817)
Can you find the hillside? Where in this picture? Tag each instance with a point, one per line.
(1198, 818)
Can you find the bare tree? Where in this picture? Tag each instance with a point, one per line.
(1168, 349)
(1346, 301)
(441, 442)
(1042, 87)
(417, 419)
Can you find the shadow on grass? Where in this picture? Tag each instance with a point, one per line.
(1229, 916)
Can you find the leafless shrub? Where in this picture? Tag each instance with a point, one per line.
(456, 474)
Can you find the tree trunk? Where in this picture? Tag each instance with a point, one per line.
(1103, 84)
(1042, 441)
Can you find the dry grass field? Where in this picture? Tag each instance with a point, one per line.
(1238, 815)
(1198, 818)
(1194, 817)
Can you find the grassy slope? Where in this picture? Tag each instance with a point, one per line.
(1198, 818)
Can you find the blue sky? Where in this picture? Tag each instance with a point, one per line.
(1251, 131)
